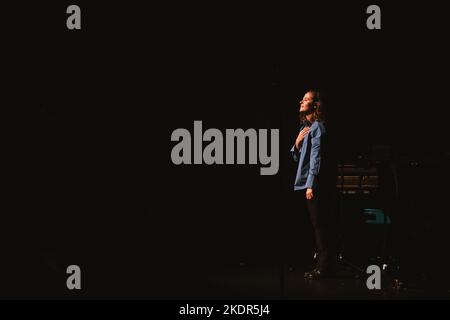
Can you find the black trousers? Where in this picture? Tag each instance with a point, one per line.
(323, 216)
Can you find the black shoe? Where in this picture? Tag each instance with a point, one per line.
(320, 274)
(309, 274)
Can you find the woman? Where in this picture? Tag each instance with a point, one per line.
(315, 180)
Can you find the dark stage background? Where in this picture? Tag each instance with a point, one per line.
(103, 192)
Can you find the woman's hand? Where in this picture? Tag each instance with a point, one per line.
(309, 194)
(300, 137)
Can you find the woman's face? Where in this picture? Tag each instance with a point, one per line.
(307, 103)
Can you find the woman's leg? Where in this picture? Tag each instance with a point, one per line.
(320, 215)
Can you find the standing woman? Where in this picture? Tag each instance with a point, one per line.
(316, 181)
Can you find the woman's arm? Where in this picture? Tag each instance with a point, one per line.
(295, 150)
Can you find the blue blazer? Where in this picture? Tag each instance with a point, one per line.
(309, 157)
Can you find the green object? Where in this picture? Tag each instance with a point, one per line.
(376, 216)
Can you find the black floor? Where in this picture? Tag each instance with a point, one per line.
(244, 281)
(131, 278)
